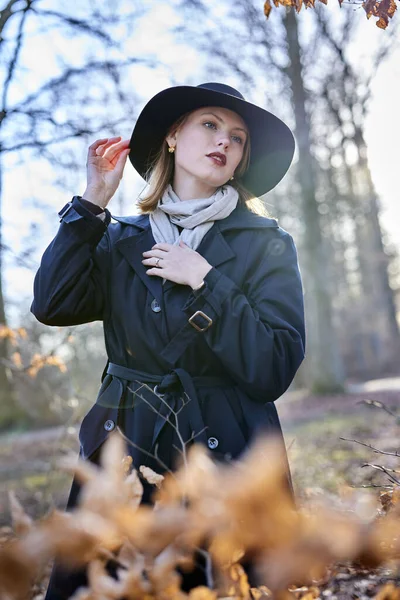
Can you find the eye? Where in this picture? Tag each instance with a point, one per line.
(212, 125)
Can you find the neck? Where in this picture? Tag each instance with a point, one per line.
(190, 188)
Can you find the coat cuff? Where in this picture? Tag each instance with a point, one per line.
(75, 210)
(94, 208)
(210, 297)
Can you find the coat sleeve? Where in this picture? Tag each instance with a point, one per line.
(258, 330)
(70, 286)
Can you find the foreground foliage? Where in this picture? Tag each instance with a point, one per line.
(242, 511)
(383, 10)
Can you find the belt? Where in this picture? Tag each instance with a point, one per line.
(166, 387)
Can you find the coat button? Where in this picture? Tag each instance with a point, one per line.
(109, 425)
(155, 307)
(212, 443)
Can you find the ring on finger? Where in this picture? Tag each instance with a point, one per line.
(157, 261)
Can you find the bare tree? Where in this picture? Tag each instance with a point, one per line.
(36, 121)
(325, 368)
(346, 95)
(311, 201)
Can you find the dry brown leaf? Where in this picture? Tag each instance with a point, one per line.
(127, 462)
(84, 470)
(260, 592)
(8, 334)
(384, 9)
(151, 531)
(198, 477)
(151, 476)
(106, 487)
(202, 593)
(243, 509)
(79, 536)
(134, 580)
(21, 331)
(237, 582)
(101, 584)
(134, 488)
(298, 4)
(128, 555)
(16, 577)
(83, 594)
(370, 7)
(383, 22)
(388, 592)
(267, 8)
(21, 522)
(313, 593)
(17, 360)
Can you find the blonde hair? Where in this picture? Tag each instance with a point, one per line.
(161, 171)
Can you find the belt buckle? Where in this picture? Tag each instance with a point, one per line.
(201, 314)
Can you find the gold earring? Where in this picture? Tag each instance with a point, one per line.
(171, 149)
(231, 178)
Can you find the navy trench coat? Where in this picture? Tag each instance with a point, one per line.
(218, 357)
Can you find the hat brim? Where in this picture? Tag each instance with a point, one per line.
(271, 141)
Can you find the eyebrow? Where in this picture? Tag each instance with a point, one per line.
(222, 121)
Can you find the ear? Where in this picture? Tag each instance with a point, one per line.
(171, 139)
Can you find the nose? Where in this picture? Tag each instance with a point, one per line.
(224, 141)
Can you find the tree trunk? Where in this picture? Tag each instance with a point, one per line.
(375, 273)
(10, 412)
(326, 374)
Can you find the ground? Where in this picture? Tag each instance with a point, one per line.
(323, 466)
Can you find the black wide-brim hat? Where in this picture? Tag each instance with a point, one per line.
(271, 141)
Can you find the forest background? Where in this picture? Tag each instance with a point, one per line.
(84, 71)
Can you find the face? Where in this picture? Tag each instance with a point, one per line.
(214, 131)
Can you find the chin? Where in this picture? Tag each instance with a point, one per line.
(215, 182)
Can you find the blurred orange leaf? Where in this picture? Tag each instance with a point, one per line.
(388, 592)
(16, 359)
(383, 9)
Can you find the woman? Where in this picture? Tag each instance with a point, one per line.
(200, 297)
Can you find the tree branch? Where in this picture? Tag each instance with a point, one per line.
(63, 79)
(378, 404)
(6, 14)
(384, 470)
(13, 63)
(76, 134)
(376, 450)
(78, 24)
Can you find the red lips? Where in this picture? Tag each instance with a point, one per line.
(219, 157)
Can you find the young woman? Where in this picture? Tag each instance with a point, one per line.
(200, 296)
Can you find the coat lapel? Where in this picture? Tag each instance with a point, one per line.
(132, 249)
(214, 247)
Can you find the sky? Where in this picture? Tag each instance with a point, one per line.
(382, 133)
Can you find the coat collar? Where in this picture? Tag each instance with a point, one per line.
(213, 247)
(240, 218)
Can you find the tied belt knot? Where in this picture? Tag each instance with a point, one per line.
(167, 388)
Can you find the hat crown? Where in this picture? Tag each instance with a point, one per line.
(222, 88)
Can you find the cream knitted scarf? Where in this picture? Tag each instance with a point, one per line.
(195, 216)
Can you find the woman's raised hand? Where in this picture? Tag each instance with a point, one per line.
(105, 166)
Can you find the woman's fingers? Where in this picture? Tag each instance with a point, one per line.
(116, 150)
(93, 147)
(155, 253)
(102, 149)
(120, 164)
